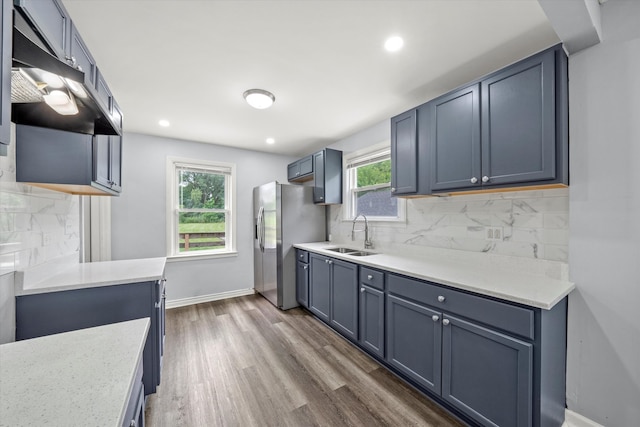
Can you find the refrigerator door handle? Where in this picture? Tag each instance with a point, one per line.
(261, 228)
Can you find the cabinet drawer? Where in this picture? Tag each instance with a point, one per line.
(372, 278)
(510, 318)
(302, 255)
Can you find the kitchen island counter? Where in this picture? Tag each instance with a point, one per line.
(48, 278)
(83, 377)
(469, 272)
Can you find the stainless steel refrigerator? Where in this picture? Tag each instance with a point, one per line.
(282, 215)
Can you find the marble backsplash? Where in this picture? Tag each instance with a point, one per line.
(534, 224)
(36, 225)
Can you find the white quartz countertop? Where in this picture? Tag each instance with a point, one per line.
(535, 290)
(76, 378)
(87, 275)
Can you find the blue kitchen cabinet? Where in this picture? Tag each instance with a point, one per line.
(414, 341)
(300, 170)
(302, 278)
(107, 160)
(333, 293)
(327, 177)
(371, 310)
(320, 286)
(55, 312)
(344, 298)
(487, 374)
(404, 153)
(51, 21)
(6, 28)
(454, 140)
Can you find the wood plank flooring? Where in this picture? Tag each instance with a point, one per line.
(242, 362)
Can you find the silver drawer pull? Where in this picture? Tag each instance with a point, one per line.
(441, 298)
(435, 318)
(369, 277)
(305, 267)
(445, 322)
(361, 289)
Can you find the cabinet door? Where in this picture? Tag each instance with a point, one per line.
(344, 298)
(454, 140)
(101, 155)
(486, 374)
(81, 57)
(302, 283)
(5, 76)
(103, 93)
(306, 165)
(293, 170)
(318, 179)
(372, 320)
(115, 162)
(52, 22)
(404, 153)
(518, 122)
(414, 343)
(319, 286)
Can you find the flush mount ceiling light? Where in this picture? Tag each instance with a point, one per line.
(394, 43)
(259, 98)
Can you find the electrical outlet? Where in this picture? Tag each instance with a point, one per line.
(46, 239)
(494, 233)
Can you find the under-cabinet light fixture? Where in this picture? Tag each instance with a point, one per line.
(61, 102)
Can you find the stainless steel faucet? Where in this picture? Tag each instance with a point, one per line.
(368, 244)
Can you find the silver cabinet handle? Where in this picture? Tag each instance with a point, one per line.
(133, 423)
(321, 198)
(330, 262)
(369, 277)
(445, 322)
(485, 179)
(393, 190)
(305, 267)
(326, 261)
(435, 318)
(441, 298)
(474, 180)
(301, 256)
(361, 289)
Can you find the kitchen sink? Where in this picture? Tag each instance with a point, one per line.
(343, 250)
(361, 253)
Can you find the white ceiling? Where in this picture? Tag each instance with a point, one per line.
(189, 61)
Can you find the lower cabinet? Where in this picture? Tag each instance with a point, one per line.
(302, 277)
(491, 362)
(333, 293)
(414, 341)
(486, 374)
(55, 312)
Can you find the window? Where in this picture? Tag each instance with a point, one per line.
(368, 187)
(201, 218)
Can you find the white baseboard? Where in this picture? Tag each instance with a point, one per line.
(573, 419)
(208, 298)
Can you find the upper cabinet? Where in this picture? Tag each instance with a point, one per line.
(5, 74)
(51, 21)
(506, 130)
(404, 153)
(325, 169)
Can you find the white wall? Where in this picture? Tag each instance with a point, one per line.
(139, 219)
(36, 226)
(603, 366)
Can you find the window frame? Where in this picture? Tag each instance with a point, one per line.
(360, 157)
(173, 209)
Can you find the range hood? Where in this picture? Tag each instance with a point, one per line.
(49, 93)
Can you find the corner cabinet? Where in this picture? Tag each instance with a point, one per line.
(49, 313)
(506, 130)
(6, 28)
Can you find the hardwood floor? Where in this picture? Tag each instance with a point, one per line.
(242, 362)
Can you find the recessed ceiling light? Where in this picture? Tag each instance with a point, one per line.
(164, 123)
(270, 141)
(394, 43)
(259, 98)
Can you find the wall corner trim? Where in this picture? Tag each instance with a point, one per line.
(208, 298)
(573, 419)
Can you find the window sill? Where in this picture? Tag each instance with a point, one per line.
(379, 220)
(194, 257)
